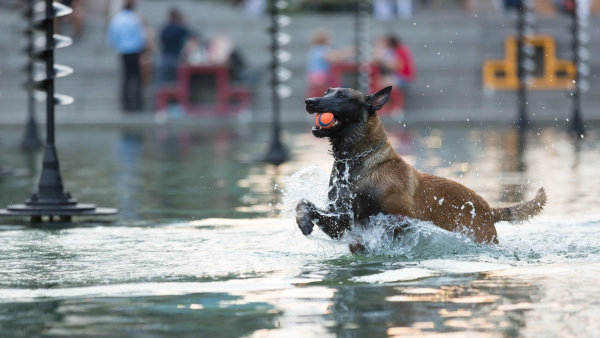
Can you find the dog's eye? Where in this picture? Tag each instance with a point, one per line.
(341, 95)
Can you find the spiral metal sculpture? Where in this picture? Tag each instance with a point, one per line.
(51, 199)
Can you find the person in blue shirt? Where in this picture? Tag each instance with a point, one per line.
(127, 35)
(173, 37)
(319, 59)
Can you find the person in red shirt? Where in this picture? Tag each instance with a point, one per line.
(395, 61)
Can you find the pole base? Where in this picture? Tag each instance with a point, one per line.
(277, 153)
(63, 212)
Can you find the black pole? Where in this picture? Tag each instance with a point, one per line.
(31, 139)
(361, 37)
(277, 153)
(50, 187)
(576, 127)
(522, 120)
(357, 41)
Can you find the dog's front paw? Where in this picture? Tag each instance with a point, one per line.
(357, 248)
(303, 217)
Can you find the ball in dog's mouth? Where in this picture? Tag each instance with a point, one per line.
(325, 120)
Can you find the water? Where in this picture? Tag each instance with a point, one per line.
(206, 243)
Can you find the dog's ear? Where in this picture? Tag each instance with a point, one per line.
(377, 100)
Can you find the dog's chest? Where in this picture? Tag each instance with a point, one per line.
(348, 191)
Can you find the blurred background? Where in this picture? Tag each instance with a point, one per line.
(461, 55)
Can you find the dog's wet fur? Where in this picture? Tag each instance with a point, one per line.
(370, 178)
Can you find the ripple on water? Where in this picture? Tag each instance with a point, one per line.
(215, 252)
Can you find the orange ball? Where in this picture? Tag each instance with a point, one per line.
(325, 120)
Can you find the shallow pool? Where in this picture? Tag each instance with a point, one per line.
(206, 245)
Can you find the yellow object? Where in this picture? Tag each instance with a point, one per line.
(550, 73)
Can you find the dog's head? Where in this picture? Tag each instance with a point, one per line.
(351, 110)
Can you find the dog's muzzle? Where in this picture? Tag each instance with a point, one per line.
(312, 105)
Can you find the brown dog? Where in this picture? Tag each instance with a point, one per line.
(370, 178)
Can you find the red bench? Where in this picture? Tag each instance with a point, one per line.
(203, 90)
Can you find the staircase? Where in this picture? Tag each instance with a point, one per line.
(449, 48)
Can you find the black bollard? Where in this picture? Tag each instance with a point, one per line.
(576, 127)
(51, 200)
(277, 153)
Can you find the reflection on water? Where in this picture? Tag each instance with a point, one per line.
(206, 245)
(143, 316)
(514, 163)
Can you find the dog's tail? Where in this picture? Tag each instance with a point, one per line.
(523, 211)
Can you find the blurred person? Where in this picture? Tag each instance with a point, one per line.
(219, 50)
(512, 4)
(395, 62)
(222, 51)
(320, 57)
(127, 35)
(173, 38)
(385, 60)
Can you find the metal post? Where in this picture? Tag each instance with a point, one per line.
(50, 187)
(576, 126)
(525, 64)
(277, 153)
(361, 41)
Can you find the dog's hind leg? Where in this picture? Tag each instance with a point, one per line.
(307, 214)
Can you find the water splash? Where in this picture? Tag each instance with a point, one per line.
(310, 183)
(537, 242)
(402, 237)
